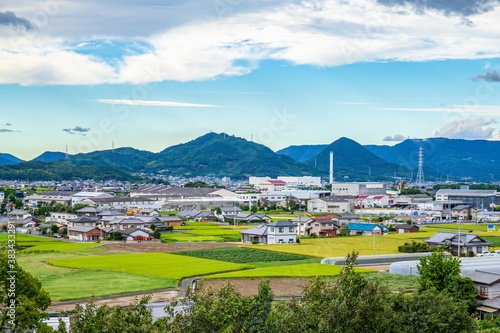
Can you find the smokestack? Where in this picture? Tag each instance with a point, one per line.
(331, 167)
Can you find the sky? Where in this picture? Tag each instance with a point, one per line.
(92, 75)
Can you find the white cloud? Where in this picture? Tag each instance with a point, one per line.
(396, 137)
(154, 103)
(468, 128)
(321, 33)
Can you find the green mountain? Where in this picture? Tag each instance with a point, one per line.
(225, 155)
(6, 159)
(126, 159)
(455, 158)
(302, 153)
(50, 156)
(354, 162)
(60, 170)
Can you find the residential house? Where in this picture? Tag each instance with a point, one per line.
(168, 221)
(87, 211)
(134, 234)
(345, 219)
(228, 212)
(61, 217)
(18, 214)
(188, 214)
(249, 217)
(122, 223)
(366, 229)
(83, 221)
(148, 212)
(303, 225)
(279, 232)
(453, 241)
(463, 212)
(406, 228)
(85, 234)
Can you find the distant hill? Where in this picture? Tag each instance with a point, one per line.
(50, 156)
(354, 161)
(456, 158)
(6, 159)
(222, 154)
(302, 153)
(126, 159)
(58, 170)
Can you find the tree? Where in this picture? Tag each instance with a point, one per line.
(135, 318)
(225, 310)
(153, 226)
(218, 211)
(54, 228)
(431, 311)
(117, 235)
(157, 233)
(254, 209)
(24, 293)
(442, 273)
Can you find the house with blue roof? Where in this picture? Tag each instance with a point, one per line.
(367, 229)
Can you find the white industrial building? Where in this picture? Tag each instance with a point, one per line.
(356, 189)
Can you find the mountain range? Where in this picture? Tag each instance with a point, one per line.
(220, 154)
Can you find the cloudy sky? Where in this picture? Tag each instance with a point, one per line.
(153, 73)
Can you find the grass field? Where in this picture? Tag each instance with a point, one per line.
(394, 282)
(340, 246)
(473, 227)
(227, 235)
(152, 264)
(175, 237)
(305, 270)
(240, 255)
(69, 283)
(59, 246)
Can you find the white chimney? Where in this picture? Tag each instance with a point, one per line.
(331, 167)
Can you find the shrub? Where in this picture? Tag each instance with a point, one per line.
(413, 247)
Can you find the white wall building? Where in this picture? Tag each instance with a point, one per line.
(305, 181)
(332, 204)
(357, 189)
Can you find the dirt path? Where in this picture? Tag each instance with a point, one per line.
(159, 295)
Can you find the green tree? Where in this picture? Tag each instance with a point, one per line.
(153, 226)
(157, 233)
(117, 235)
(24, 293)
(54, 228)
(218, 211)
(442, 273)
(254, 209)
(431, 311)
(135, 318)
(225, 310)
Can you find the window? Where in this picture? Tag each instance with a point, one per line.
(483, 291)
(272, 229)
(280, 241)
(316, 225)
(280, 229)
(290, 229)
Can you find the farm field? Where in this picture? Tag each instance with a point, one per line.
(242, 255)
(394, 282)
(59, 246)
(152, 264)
(304, 270)
(473, 227)
(176, 237)
(340, 246)
(226, 235)
(60, 282)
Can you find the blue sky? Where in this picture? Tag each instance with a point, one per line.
(150, 74)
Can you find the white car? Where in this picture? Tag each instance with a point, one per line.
(484, 254)
(495, 253)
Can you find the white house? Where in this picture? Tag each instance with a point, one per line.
(61, 217)
(279, 232)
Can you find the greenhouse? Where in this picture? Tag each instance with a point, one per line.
(468, 266)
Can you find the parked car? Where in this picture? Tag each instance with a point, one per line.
(495, 253)
(483, 254)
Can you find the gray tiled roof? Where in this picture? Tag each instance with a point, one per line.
(484, 277)
(281, 223)
(260, 230)
(82, 229)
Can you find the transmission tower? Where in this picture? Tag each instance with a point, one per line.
(420, 182)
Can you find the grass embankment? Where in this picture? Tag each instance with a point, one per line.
(293, 271)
